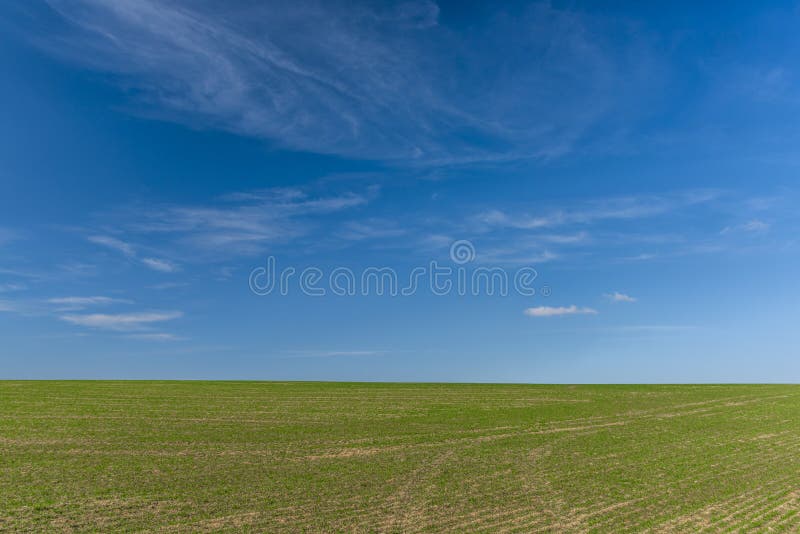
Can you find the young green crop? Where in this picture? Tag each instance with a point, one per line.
(351, 457)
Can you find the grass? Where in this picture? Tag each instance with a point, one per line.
(344, 457)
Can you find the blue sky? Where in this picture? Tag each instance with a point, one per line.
(641, 159)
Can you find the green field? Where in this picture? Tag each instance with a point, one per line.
(272, 457)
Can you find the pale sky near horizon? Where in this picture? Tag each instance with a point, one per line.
(641, 160)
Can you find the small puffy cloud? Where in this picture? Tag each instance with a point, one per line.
(616, 296)
(121, 321)
(160, 265)
(6, 306)
(552, 311)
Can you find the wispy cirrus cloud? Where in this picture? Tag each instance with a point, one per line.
(240, 223)
(370, 229)
(121, 321)
(7, 288)
(7, 236)
(129, 251)
(751, 226)
(596, 211)
(126, 249)
(329, 77)
(84, 301)
(578, 228)
(554, 311)
(79, 303)
(515, 255)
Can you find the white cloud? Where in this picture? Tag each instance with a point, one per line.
(168, 285)
(616, 296)
(368, 80)
(7, 236)
(244, 223)
(591, 229)
(641, 257)
(656, 328)
(501, 219)
(596, 210)
(370, 229)
(122, 321)
(129, 251)
(565, 239)
(6, 288)
(114, 243)
(83, 301)
(552, 311)
(755, 226)
(6, 306)
(79, 303)
(751, 226)
(156, 336)
(333, 353)
(161, 265)
(515, 256)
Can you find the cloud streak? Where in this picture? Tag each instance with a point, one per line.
(597, 211)
(7, 236)
(7, 288)
(155, 336)
(334, 353)
(126, 249)
(83, 301)
(555, 311)
(753, 226)
(163, 266)
(121, 321)
(79, 303)
(129, 251)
